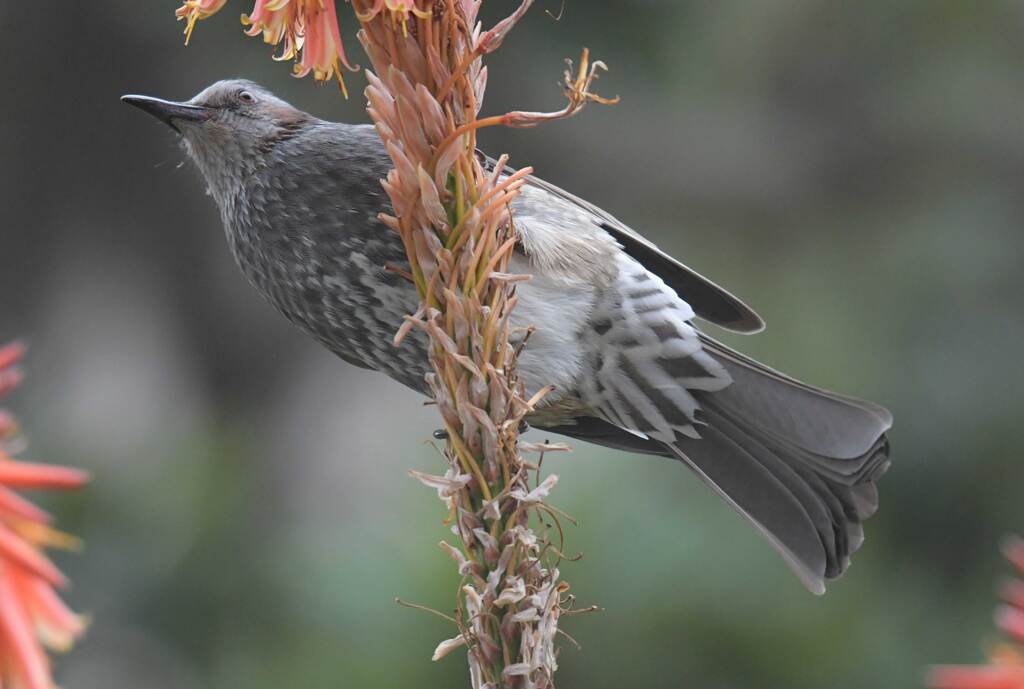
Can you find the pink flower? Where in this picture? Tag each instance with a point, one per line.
(32, 616)
(309, 31)
(194, 10)
(322, 50)
(1006, 669)
(276, 19)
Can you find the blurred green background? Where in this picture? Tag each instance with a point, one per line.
(854, 170)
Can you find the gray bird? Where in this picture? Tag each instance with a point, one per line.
(300, 197)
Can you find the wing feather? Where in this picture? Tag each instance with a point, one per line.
(710, 301)
(645, 358)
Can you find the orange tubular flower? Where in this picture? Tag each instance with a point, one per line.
(276, 20)
(32, 616)
(1006, 670)
(307, 28)
(194, 10)
(322, 50)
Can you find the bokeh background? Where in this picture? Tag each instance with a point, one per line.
(854, 170)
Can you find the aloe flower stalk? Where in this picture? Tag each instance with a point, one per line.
(452, 211)
(453, 214)
(1006, 667)
(32, 616)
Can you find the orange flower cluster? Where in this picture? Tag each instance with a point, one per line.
(1006, 669)
(32, 616)
(307, 31)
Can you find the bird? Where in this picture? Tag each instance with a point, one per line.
(613, 318)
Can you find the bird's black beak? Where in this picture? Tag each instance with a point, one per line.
(168, 111)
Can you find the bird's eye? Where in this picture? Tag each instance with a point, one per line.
(246, 97)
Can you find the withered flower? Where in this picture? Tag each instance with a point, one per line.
(399, 10)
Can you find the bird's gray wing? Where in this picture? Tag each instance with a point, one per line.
(646, 371)
(708, 300)
(643, 361)
(799, 463)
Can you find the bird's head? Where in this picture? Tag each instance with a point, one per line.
(227, 128)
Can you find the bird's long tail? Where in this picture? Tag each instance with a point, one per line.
(798, 462)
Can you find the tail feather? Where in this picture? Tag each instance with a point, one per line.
(768, 492)
(820, 450)
(761, 497)
(821, 422)
(798, 462)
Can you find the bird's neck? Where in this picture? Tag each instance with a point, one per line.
(226, 173)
